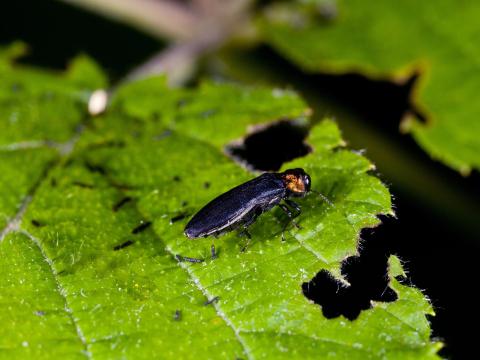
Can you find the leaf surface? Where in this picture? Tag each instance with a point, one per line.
(40, 113)
(90, 267)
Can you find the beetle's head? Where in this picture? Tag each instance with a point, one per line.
(296, 181)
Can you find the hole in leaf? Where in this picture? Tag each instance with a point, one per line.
(123, 245)
(108, 144)
(178, 218)
(267, 148)
(142, 227)
(117, 206)
(95, 168)
(82, 185)
(37, 223)
(367, 275)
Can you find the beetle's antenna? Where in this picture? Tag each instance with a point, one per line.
(329, 202)
(324, 198)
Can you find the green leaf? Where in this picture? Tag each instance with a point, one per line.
(180, 109)
(385, 40)
(40, 113)
(37, 321)
(81, 280)
(20, 170)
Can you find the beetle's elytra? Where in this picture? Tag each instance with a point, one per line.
(240, 206)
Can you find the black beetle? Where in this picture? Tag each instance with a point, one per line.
(240, 206)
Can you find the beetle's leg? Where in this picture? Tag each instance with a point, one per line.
(290, 215)
(245, 232)
(294, 205)
(246, 222)
(297, 208)
(213, 252)
(246, 245)
(249, 238)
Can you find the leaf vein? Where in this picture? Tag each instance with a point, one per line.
(219, 312)
(312, 337)
(61, 290)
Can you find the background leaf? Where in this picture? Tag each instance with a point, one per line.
(98, 235)
(385, 41)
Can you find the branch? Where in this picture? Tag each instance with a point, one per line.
(176, 60)
(161, 18)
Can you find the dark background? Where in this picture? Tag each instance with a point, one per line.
(436, 230)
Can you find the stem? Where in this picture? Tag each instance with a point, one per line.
(176, 60)
(161, 18)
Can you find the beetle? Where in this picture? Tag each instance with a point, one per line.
(240, 206)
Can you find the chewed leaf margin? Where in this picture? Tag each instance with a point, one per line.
(111, 262)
